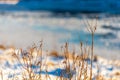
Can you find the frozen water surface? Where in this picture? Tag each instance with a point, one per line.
(25, 28)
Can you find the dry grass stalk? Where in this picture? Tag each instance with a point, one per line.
(92, 28)
(1, 74)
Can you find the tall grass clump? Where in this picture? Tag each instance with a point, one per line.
(75, 65)
(30, 59)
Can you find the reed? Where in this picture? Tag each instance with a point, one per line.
(92, 28)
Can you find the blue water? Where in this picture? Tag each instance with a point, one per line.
(72, 6)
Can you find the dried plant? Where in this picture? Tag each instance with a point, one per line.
(77, 63)
(1, 75)
(92, 28)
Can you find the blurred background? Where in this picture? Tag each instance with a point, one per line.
(24, 22)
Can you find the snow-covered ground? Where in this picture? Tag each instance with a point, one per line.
(11, 68)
